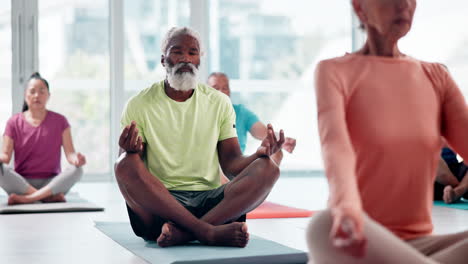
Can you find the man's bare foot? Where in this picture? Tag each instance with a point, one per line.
(18, 199)
(228, 235)
(450, 195)
(171, 235)
(56, 198)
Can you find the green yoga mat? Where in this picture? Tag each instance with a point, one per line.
(74, 204)
(463, 204)
(257, 251)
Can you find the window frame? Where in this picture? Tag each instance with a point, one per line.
(25, 58)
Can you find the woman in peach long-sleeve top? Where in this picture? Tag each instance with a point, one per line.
(381, 117)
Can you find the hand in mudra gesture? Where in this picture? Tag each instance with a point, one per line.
(79, 160)
(129, 140)
(270, 144)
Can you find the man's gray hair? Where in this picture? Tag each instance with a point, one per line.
(177, 31)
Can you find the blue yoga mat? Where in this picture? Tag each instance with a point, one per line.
(462, 204)
(257, 251)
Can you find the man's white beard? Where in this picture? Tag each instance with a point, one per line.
(184, 81)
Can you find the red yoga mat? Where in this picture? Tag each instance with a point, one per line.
(274, 210)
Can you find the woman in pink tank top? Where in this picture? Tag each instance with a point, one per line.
(36, 137)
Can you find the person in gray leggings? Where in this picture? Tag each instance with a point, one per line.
(53, 188)
(36, 137)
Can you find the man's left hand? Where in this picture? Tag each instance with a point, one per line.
(270, 144)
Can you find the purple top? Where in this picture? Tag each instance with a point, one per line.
(37, 149)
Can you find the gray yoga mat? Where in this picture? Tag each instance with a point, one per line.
(74, 204)
(257, 251)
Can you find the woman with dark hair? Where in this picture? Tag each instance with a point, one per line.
(36, 136)
(382, 116)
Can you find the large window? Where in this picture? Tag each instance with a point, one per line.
(439, 35)
(5, 65)
(74, 58)
(269, 49)
(146, 22)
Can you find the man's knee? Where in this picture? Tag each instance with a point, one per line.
(129, 168)
(122, 166)
(273, 169)
(269, 172)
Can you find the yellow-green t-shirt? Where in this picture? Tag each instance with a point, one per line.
(181, 137)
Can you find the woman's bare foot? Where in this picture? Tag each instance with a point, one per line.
(56, 198)
(450, 194)
(18, 199)
(171, 235)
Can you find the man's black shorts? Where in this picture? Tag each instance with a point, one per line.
(196, 202)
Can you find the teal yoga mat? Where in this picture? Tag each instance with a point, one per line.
(258, 250)
(462, 204)
(74, 204)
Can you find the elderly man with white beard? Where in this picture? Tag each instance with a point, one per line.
(175, 136)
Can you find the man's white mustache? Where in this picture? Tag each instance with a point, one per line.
(180, 65)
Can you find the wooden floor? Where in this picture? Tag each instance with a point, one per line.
(72, 238)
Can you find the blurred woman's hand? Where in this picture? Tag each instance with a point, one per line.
(79, 160)
(347, 233)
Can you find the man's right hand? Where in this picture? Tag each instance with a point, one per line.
(129, 140)
(347, 233)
